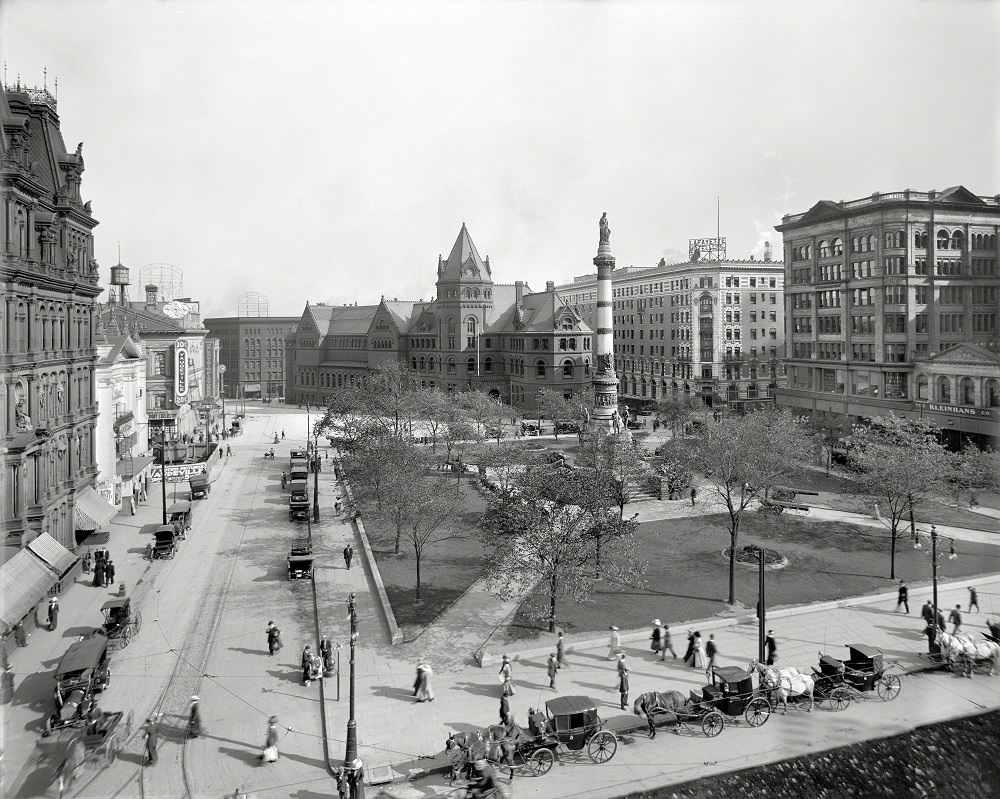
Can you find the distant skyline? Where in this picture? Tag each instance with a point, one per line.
(330, 151)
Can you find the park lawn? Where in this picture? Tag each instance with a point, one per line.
(927, 512)
(687, 576)
(447, 569)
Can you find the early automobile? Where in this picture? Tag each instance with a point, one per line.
(300, 561)
(298, 509)
(200, 487)
(82, 672)
(180, 514)
(165, 543)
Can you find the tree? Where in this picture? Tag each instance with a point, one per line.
(974, 470)
(675, 469)
(426, 524)
(829, 430)
(743, 457)
(679, 412)
(434, 408)
(391, 387)
(548, 535)
(900, 462)
(618, 467)
(506, 463)
(553, 406)
(458, 435)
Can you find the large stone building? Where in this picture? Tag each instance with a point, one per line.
(47, 334)
(252, 348)
(892, 304)
(475, 334)
(710, 328)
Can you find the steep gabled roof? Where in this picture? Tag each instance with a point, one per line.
(542, 312)
(824, 209)
(958, 194)
(122, 346)
(966, 353)
(463, 255)
(350, 320)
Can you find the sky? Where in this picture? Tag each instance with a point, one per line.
(330, 151)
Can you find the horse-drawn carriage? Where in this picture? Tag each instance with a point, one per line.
(101, 739)
(120, 623)
(862, 673)
(179, 514)
(569, 723)
(82, 673)
(965, 655)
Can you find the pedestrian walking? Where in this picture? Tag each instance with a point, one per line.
(53, 613)
(560, 651)
(615, 645)
(229, 450)
(771, 645)
(955, 617)
(348, 554)
(927, 612)
(337, 506)
(711, 650)
(689, 652)
(425, 693)
(307, 657)
(694, 494)
(99, 574)
(109, 572)
(654, 639)
(973, 599)
(506, 677)
(939, 618)
(194, 718)
(282, 434)
(552, 668)
(326, 652)
(697, 655)
(666, 645)
(504, 708)
(152, 739)
(622, 680)
(87, 561)
(902, 598)
(270, 753)
(284, 480)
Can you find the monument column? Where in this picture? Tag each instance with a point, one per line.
(605, 414)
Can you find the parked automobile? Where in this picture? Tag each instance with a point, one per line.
(567, 427)
(529, 429)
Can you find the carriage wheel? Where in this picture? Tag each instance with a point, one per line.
(757, 712)
(888, 687)
(126, 636)
(112, 746)
(712, 723)
(540, 762)
(840, 698)
(602, 746)
(136, 622)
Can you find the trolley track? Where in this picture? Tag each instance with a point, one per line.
(190, 661)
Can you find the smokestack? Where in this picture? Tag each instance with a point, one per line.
(151, 292)
(767, 251)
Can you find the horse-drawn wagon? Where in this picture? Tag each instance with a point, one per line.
(101, 739)
(120, 623)
(862, 673)
(966, 655)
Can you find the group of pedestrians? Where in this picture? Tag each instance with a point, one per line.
(104, 568)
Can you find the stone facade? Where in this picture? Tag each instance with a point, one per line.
(49, 278)
(252, 348)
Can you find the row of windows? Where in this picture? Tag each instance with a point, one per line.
(864, 324)
(895, 239)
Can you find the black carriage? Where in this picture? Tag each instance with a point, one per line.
(200, 487)
(862, 673)
(165, 543)
(82, 673)
(576, 725)
(120, 623)
(730, 695)
(300, 561)
(179, 514)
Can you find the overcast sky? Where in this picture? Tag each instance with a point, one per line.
(330, 151)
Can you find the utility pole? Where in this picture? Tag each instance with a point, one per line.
(761, 612)
(163, 469)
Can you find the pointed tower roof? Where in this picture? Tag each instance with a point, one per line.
(464, 261)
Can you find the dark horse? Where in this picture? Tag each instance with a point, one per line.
(496, 745)
(653, 702)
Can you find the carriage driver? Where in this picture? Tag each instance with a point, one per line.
(485, 782)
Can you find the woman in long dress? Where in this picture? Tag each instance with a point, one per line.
(194, 718)
(506, 675)
(425, 693)
(699, 655)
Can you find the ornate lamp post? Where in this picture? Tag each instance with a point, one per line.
(353, 766)
(163, 469)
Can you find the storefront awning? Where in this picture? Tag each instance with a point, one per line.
(127, 469)
(92, 510)
(52, 552)
(25, 580)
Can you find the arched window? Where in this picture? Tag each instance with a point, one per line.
(824, 249)
(539, 368)
(567, 368)
(451, 366)
(920, 239)
(430, 363)
(586, 367)
(572, 344)
(423, 363)
(922, 388)
(470, 365)
(943, 239)
(159, 363)
(488, 365)
(943, 389)
(837, 247)
(993, 393)
(413, 363)
(967, 391)
(957, 240)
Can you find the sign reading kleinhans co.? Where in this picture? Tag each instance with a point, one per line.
(959, 410)
(180, 371)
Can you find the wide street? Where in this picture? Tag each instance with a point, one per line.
(204, 615)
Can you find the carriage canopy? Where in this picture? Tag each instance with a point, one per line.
(83, 656)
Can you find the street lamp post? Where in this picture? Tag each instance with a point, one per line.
(163, 469)
(761, 612)
(353, 765)
(934, 538)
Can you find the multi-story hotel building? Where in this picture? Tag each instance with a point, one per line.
(48, 353)
(891, 305)
(711, 328)
(252, 348)
(474, 335)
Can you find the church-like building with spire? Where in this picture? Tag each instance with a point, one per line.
(503, 339)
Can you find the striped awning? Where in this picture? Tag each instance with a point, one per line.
(92, 511)
(24, 580)
(52, 552)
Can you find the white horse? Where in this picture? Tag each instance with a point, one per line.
(786, 681)
(968, 650)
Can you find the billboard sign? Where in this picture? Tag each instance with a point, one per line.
(180, 372)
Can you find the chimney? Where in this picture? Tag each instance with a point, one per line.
(151, 291)
(767, 251)
(518, 291)
(550, 285)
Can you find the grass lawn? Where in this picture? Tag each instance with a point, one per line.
(446, 570)
(687, 575)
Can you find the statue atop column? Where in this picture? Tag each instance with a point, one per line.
(605, 229)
